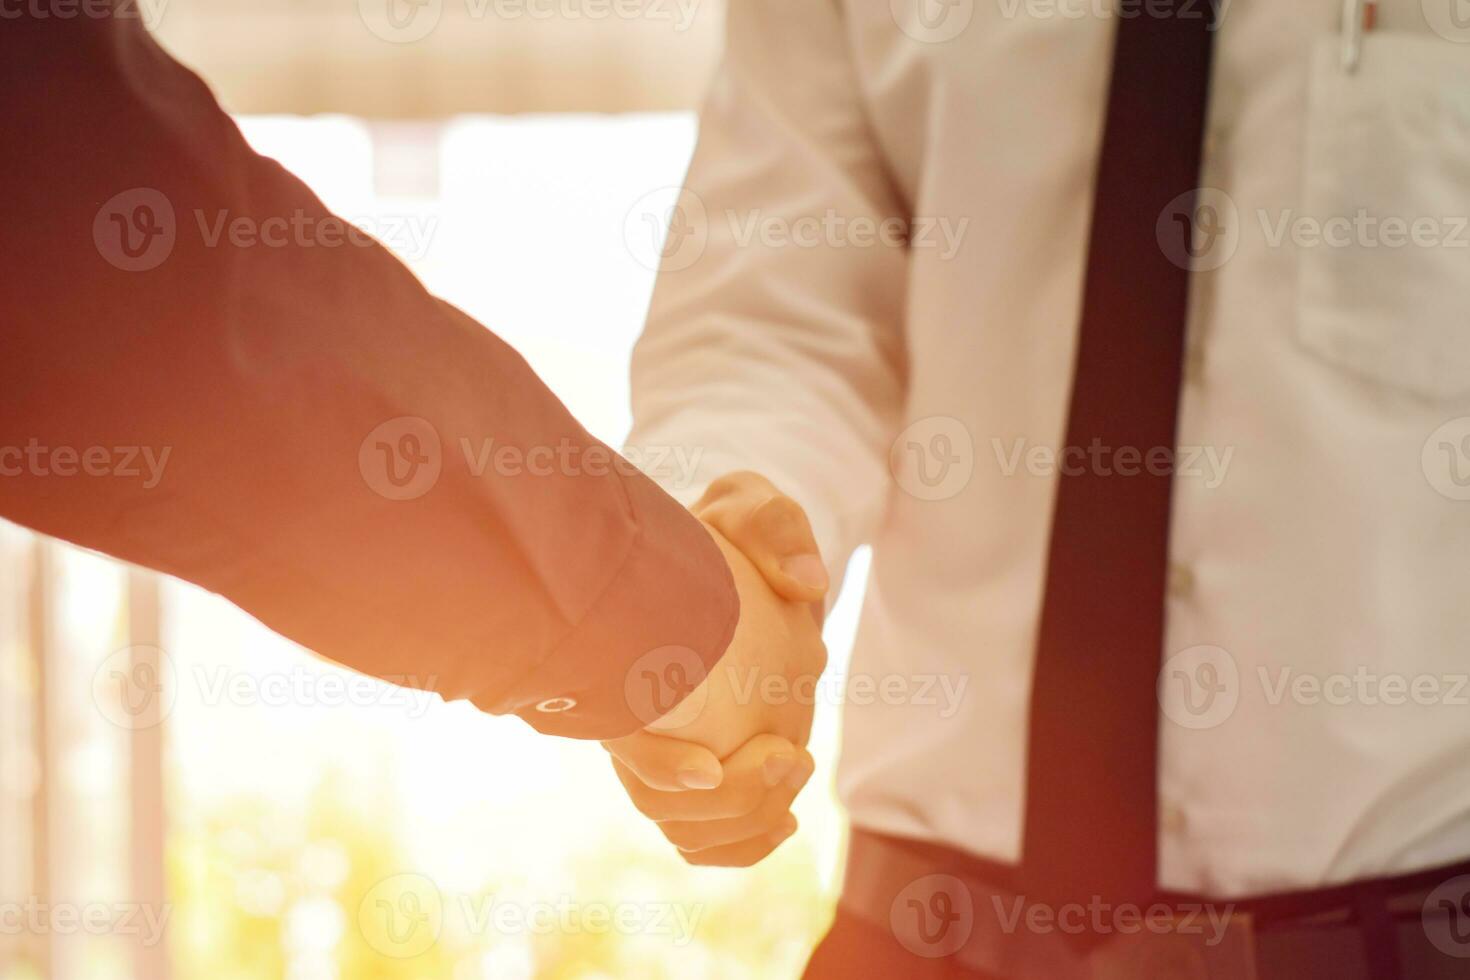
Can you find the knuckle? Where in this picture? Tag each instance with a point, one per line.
(680, 836)
(778, 512)
(780, 521)
(647, 802)
(728, 485)
(763, 823)
(745, 798)
(715, 859)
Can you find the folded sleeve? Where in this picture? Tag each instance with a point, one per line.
(286, 417)
(774, 340)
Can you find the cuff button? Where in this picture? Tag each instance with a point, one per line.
(554, 705)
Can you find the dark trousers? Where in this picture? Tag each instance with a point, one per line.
(855, 948)
(911, 909)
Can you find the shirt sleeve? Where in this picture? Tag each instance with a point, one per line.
(774, 339)
(301, 427)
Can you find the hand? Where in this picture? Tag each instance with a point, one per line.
(754, 710)
(772, 531)
(764, 682)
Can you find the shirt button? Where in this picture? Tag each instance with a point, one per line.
(553, 705)
(1181, 581)
(1171, 820)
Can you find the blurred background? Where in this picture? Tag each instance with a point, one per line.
(185, 795)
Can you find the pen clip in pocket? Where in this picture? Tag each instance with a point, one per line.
(1358, 18)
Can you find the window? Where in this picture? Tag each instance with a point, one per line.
(229, 806)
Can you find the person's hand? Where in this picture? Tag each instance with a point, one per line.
(771, 530)
(764, 682)
(719, 772)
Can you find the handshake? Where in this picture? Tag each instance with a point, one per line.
(719, 772)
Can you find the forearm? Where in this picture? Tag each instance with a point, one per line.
(262, 377)
(768, 351)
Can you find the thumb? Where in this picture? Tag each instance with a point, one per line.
(668, 764)
(771, 530)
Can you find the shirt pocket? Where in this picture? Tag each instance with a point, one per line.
(1384, 287)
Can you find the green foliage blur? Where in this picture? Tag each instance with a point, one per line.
(260, 894)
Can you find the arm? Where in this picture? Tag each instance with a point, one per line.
(783, 359)
(265, 373)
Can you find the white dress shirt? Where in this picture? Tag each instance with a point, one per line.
(1315, 722)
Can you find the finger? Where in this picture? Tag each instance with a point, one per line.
(770, 816)
(771, 529)
(745, 853)
(670, 765)
(751, 773)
